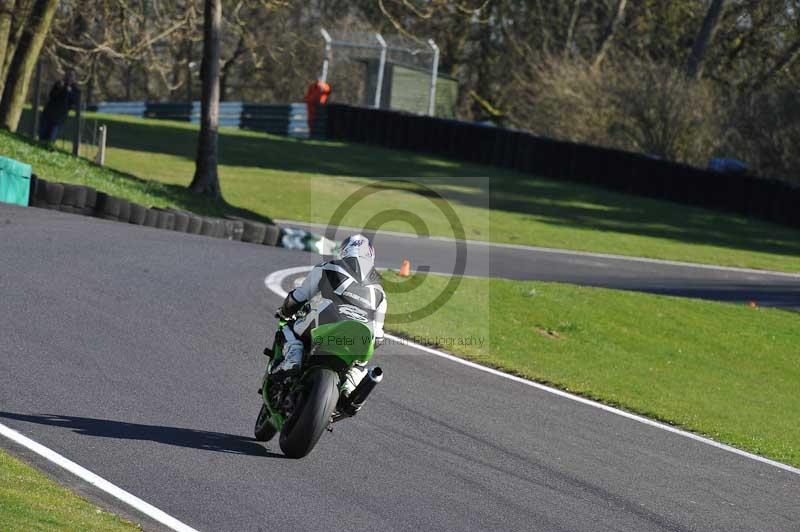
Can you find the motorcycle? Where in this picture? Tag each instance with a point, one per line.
(302, 406)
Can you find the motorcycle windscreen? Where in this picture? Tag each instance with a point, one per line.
(349, 340)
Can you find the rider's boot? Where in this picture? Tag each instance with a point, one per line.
(351, 379)
(292, 354)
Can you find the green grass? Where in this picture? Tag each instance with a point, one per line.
(30, 501)
(280, 177)
(730, 372)
(57, 166)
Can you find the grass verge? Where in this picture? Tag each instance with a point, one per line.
(31, 501)
(281, 177)
(729, 372)
(58, 166)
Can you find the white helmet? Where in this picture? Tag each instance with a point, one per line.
(357, 246)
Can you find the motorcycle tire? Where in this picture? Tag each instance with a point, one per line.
(264, 430)
(312, 415)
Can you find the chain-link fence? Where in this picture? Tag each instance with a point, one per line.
(388, 72)
(92, 133)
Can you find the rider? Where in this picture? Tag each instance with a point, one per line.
(347, 288)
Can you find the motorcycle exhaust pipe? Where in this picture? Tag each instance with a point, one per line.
(365, 387)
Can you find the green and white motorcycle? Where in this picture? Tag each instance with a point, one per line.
(302, 406)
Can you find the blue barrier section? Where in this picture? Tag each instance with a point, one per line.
(15, 182)
(121, 108)
(289, 119)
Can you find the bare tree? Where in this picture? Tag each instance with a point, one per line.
(206, 178)
(6, 17)
(608, 35)
(18, 17)
(25, 57)
(789, 56)
(694, 68)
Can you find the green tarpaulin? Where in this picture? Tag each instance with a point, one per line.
(15, 182)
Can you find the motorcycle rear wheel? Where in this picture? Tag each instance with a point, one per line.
(312, 415)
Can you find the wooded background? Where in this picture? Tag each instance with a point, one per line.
(684, 80)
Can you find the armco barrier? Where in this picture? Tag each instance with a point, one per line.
(632, 173)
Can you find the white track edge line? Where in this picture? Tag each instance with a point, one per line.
(98, 482)
(571, 252)
(274, 283)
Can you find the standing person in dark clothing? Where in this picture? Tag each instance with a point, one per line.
(63, 96)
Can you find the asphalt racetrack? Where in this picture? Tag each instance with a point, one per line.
(730, 285)
(135, 353)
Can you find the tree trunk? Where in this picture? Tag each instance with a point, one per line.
(6, 16)
(25, 57)
(206, 180)
(694, 68)
(9, 44)
(608, 36)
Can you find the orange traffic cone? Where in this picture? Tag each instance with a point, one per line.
(405, 268)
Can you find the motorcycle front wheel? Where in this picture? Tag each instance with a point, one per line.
(312, 414)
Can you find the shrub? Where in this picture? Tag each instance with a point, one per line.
(632, 105)
(765, 132)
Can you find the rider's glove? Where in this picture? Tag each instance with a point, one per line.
(289, 308)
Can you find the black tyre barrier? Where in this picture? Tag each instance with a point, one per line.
(91, 202)
(36, 185)
(150, 218)
(626, 172)
(253, 232)
(39, 195)
(88, 201)
(208, 227)
(91, 197)
(272, 234)
(194, 225)
(34, 181)
(219, 228)
(227, 229)
(236, 229)
(181, 221)
(166, 220)
(138, 214)
(124, 211)
(107, 206)
(74, 197)
(54, 194)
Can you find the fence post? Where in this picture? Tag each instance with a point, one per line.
(101, 146)
(434, 75)
(327, 58)
(37, 83)
(381, 68)
(76, 141)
